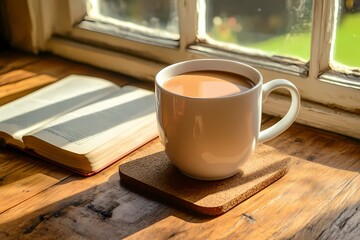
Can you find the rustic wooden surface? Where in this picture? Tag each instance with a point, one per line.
(319, 198)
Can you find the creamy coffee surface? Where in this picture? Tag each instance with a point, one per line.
(208, 84)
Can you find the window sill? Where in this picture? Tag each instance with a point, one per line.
(280, 64)
(346, 80)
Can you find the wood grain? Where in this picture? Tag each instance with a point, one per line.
(26, 182)
(11, 161)
(15, 76)
(341, 218)
(78, 199)
(13, 59)
(10, 92)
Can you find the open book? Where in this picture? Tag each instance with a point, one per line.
(82, 123)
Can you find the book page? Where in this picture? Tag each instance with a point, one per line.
(31, 111)
(91, 126)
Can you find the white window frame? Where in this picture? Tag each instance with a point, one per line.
(331, 100)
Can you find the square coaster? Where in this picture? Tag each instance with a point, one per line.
(152, 173)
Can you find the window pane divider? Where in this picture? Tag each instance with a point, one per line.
(187, 23)
(322, 35)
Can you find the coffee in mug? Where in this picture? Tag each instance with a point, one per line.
(208, 84)
(209, 115)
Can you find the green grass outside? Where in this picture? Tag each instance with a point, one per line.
(346, 48)
(297, 46)
(347, 44)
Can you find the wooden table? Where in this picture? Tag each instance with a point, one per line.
(319, 198)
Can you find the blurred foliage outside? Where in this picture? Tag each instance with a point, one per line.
(346, 45)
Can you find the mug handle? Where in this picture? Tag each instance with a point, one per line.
(290, 116)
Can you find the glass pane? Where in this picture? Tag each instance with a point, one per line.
(273, 27)
(346, 49)
(156, 17)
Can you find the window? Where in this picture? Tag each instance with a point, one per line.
(313, 43)
(281, 28)
(153, 18)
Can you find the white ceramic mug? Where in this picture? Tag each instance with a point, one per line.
(211, 138)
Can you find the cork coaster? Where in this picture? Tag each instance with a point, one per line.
(152, 173)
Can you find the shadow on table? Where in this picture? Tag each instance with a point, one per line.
(101, 211)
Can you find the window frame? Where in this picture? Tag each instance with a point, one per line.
(325, 92)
